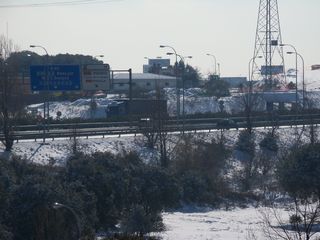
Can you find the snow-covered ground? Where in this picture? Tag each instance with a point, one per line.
(236, 224)
(59, 150)
(200, 224)
(312, 80)
(81, 108)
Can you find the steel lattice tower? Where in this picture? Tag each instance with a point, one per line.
(268, 61)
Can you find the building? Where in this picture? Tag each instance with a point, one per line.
(141, 81)
(156, 65)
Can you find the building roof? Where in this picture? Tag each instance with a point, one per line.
(148, 76)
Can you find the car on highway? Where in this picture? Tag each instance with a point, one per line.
(227, 124)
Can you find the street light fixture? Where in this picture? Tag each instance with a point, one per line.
(215, 62)
(57, 205)
(296, 53)
(46, 103)
(303, 83)
(182, 58)
(175, 52)
(176, 75)
(249, 95)
(99, 56)
(38, 46)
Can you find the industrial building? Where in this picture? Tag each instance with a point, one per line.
(141, 81)
(157, 65)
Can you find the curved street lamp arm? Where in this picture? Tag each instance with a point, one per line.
(57, 205)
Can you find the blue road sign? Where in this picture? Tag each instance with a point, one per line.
(55, 77)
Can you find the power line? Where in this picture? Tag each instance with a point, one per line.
(53, 4)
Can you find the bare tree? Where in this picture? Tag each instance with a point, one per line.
(300, 222)
(249, 102)
(74, 141)
(162, 134)
(153, 127)
(313, 134)
(148, 127)
(11, 93)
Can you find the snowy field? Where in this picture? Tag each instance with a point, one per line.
(215, 224)
(237, 224)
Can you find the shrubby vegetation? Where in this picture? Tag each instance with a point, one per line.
(201, 165)
(246, 145)
(108, 193)
(298, 174)
(299, 171)
(216, 87)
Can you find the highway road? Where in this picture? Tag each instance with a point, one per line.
(53, 131)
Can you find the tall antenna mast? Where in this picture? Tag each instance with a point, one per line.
(270, 66)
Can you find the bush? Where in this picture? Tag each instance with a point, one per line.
(269, 142)
(138, 221)
(246, 144)
(102, 190)
(299, 171)
(123, 182)
(199, 167)
(196, 188)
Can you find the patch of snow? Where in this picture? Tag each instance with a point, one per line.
(214, 224)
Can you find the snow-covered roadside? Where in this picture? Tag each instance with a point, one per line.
(59, 150)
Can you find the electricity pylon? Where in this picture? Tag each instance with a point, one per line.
(268, 61)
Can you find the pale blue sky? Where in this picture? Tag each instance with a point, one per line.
(127, 31)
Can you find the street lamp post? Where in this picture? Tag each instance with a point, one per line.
(57, 205)
(93, 102)
(183, 90)
(46, 104)
(248, 104)
(176, 75)
(296, 53)
(215, 62)
(303, 83)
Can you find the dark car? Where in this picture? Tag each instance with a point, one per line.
(227, 123)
